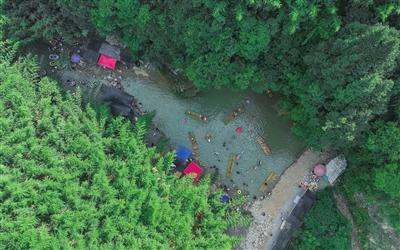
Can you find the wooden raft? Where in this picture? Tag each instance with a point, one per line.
(231, 165)
(196, 116)
(230, 117)
(195, 148)
(263, 145)
(268, 181)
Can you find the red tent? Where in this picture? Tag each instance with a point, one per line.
(193, 168)
(107, 61)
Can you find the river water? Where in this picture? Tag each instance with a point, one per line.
(260, 118)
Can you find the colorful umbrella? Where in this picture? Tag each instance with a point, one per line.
(75, 57)
(320, 170)
(239, 129)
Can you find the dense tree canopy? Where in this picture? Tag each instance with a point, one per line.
(335, 63)
(347, 83)
(325, 227)
(74, 178)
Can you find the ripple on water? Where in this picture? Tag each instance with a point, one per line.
(260, 117)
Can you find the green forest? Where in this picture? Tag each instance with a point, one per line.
(70, 178)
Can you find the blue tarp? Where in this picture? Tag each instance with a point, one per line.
(183, 153)
(224, 198)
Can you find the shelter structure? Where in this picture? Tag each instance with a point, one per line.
(98, 46)
(178, 166)
(193, 168)
(294, 220)
(224, 198)
(183, 153)
(335, 168)
(107, 61)
(121, 102)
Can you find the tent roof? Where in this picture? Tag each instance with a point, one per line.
(183, 153)
(107, 61)
(224, 198)
(193, 168)
(334, 168)
(111, 51)
(91, 57)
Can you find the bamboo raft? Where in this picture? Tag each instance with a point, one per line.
(196, 116)
(263, 145)
(268, 181)
(231, 165)
(230, 117)
(195, 148)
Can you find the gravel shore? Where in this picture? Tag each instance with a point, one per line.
(268, 213)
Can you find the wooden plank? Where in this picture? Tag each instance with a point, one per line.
(263, 145)
(232, 116)
(178, 174)
(193, 142)
(197, 116)
(231, 165)
(267, 181)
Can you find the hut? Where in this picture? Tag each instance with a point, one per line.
(335, 168)
(294, 221)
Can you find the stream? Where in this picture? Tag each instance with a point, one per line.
(260, 117)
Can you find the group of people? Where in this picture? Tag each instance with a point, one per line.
(203, 118)
(56, 45)
(263, 144)
(236, 112)
(116, 84)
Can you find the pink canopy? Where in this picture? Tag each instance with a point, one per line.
(107, 61)
(239, 129)
(320, 170)
(193, 168)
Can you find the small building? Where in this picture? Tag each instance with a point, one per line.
(335, 168)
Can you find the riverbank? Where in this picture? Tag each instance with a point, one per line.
(258, 233)
(268, 213)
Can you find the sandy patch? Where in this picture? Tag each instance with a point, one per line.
(280, 203)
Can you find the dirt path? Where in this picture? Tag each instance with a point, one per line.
(344, 209)
(268, 212)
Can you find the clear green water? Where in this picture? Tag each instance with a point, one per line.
(260, 117)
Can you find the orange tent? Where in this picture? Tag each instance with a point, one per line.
(107, 61)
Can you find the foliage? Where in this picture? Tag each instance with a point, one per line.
(346, 84)
(324, 226)
(28, 21)
(72, 178)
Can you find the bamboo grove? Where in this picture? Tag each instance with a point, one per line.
(72, 177)
(335, 64)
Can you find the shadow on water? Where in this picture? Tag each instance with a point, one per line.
(259, 118)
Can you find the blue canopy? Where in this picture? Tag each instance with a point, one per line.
(224, 198)
(183, 153)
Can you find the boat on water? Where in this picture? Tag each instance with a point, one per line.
(197, 116)
(233, 115)
(263, 145)
(208, 137)
(267, 182)
(193, 142)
